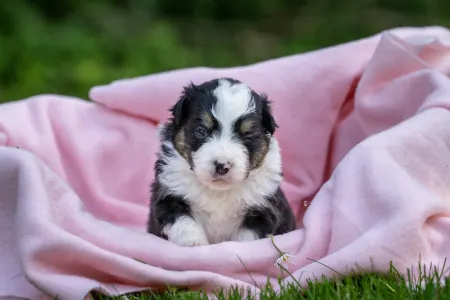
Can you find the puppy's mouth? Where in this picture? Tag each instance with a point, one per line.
(220, 183)
(220, 180)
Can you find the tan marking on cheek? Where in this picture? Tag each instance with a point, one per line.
(207, 120)
(259, 156)
(246, 126)
(180, 144)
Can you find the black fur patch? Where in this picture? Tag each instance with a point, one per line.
(165, 209)
(275, 219)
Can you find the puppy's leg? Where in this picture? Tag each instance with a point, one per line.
(170, 218)
(185, 231)
(259, 221)
(283, 210)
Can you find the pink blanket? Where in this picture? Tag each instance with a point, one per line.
(365, 138)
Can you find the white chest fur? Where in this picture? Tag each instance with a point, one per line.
(221, 212)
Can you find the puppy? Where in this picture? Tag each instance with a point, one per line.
(218, 172)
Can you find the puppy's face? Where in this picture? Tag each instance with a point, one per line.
(223, 129)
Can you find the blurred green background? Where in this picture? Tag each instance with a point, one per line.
(67, 46)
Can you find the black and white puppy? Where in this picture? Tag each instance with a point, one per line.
(218, 173)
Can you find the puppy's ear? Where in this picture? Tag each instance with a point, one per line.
(268, 120)
(181, 109)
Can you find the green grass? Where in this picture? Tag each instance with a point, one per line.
(392, 285)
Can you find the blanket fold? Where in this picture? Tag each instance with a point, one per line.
(365, 142)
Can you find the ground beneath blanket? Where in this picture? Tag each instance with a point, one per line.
(372, 286)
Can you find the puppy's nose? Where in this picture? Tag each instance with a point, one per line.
(222, 168)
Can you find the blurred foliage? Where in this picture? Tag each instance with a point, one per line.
(67, 46)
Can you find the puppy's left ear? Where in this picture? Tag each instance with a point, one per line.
(268, 120)
(180, 109)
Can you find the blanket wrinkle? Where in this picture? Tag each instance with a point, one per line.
(366, 152)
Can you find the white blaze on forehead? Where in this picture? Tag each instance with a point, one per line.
(233, 101)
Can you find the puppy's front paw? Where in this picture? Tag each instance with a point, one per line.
(245, 235)
(190, 240)
(186, 232)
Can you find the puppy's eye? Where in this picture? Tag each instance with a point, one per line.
(200, 133)
(250, 135)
